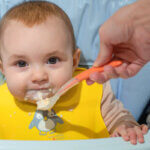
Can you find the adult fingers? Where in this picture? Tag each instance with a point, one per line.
(104, 56)
(89, 82)
(99, 77)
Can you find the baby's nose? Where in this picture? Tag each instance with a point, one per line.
(39, 76)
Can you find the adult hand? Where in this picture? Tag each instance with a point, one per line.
(125, 36)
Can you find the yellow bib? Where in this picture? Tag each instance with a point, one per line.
(76, 115)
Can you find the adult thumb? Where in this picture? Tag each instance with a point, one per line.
(104, 56)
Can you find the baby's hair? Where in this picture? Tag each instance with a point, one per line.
(36, 12)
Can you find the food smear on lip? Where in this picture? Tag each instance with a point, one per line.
(37, 95)
(45, 99)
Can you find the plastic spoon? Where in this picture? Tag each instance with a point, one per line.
(48, 103)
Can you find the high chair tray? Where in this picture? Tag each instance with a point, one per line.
(95, 144)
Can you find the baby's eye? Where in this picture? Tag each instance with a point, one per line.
(21, 63)
(53, 60)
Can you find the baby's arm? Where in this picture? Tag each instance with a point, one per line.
(118, 120)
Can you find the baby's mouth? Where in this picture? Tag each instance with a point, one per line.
(38, 95)
(44, 98)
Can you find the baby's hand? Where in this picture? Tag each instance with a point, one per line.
(131, 133)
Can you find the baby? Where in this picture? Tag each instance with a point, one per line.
(38, 55)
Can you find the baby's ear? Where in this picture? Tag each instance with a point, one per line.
(76, 58)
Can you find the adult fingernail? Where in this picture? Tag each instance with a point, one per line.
(97, 77)
(89, 82)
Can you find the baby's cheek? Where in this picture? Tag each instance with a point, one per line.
(61, 79)
(16, 87)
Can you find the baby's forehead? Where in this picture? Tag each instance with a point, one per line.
(49, 33)
(51, 25)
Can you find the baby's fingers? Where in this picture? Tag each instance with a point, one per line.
(115, 134)
(122, 131)
(144, 128)
(139, 134)
(133, 136)
(124, 135)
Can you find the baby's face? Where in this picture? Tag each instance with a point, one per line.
(36, 59)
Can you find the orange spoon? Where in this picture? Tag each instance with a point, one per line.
(50, 102)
